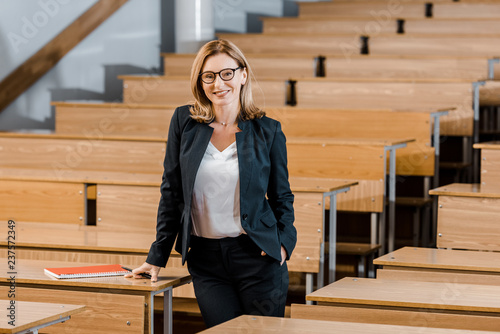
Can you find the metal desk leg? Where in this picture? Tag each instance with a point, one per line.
(475, 135)
(320, 280)
(167, 311)
(333, 238)
(392, 200)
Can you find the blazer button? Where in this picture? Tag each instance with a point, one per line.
(245, 216)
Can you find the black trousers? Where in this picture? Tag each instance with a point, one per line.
(231, 278)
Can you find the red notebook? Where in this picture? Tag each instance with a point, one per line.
(89, 271)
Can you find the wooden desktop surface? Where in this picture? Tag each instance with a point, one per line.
(32, 272)
(318, 185)
(491, 145)
(31, 314)
(259, 324)
(467, 190)
(410, 294)
(433, 258)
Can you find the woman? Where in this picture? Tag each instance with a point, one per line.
(225, 194)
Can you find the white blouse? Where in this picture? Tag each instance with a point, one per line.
(215, 207)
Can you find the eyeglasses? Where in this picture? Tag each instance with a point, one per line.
(226, 74)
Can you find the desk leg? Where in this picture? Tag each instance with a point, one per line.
(320, 279)
(167, 311)
(392, 199)
(35, 329)
(333, 238)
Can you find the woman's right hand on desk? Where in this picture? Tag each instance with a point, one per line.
(147, 269)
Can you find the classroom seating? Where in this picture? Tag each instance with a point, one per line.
(29, 317)
(408, 303)
(276, 66)
(295, 44)
(440, 265)
(357, 66)
(438, 45)
(467, 238)
(468, 217)
(129, 212)
(396, 24)
(114, 304)
(408, 94)
(113, 120)
(261, 324)
(490, 163)
(63, 153)
(380, 11)
(177, 91)
(39, 200)
(367, 124)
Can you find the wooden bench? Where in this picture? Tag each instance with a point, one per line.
(404, 94)
(113, 120)
(286, 66)
(396, 24)
(438, 45)
(261, 324)
(408, 303)
(381, 10)
(440, 265)
(295, 44)
(263, 65)
(407, 67)
(63, 153)
(177, 90)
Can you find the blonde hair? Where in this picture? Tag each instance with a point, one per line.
(202, 110)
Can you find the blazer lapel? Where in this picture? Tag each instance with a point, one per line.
(246, 155)
(198, 148)
(195, 153)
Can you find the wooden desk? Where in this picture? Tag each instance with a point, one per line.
(30, 317)
(259, 324)
(468, 216)
(326, 188)
(114, 304)
(316, 156)
(441, 305)
(91, 243)
(440, 265)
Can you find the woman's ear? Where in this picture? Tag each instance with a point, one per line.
(245, 76)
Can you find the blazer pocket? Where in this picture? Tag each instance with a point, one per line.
(268, 218)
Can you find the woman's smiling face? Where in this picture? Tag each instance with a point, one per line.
(224, 93)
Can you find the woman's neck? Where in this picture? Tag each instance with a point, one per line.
(226, 116)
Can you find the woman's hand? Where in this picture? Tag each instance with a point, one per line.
(145, 268)
(283, 254)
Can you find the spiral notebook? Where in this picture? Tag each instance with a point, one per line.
(87, 271)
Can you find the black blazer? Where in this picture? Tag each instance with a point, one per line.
(263, 171)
